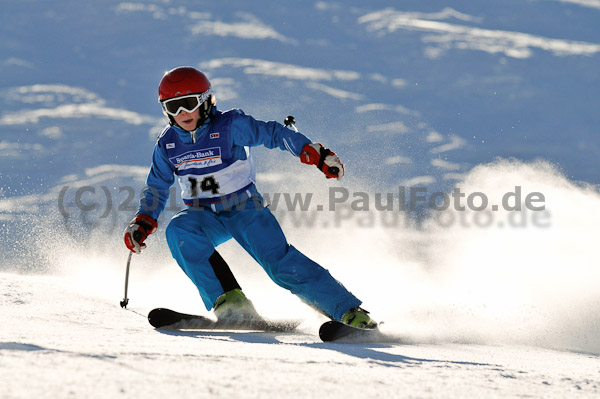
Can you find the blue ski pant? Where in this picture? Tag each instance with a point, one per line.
(193, 234)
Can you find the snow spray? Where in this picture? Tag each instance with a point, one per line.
(452, 274)
(468, 275)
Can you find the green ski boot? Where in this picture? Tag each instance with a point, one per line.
(233, 307)
(359, 318)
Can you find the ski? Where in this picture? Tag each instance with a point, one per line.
(170, 319)
(336, 331)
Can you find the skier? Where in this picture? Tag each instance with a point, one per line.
(209, 152)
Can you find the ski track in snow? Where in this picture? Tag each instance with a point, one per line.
(65, 343)
(68, 103)
(445, 35)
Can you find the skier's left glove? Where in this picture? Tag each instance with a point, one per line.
(324, 159)
(140, 227)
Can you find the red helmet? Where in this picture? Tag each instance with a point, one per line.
(182, 81)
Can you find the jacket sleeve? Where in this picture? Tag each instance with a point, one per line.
(247, 131)
(160, 179)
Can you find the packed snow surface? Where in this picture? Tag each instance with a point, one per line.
(60, 342)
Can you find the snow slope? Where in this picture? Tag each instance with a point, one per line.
(489, 99)
(66, 343)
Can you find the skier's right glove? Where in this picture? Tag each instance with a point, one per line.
(140, 227)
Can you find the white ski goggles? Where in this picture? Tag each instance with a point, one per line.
(188, 103)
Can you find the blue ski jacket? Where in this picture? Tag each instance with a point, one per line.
(228, 134)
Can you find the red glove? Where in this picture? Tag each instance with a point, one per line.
(139, 228)
(325, 159)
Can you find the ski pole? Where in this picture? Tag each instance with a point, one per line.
(125, 300)
(290, 121)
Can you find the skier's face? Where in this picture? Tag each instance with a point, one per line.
(188, 120)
